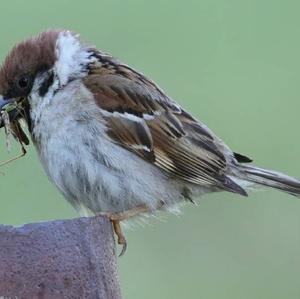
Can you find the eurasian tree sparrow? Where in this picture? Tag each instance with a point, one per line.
(110, 139)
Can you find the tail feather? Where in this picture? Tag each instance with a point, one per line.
(270, 178)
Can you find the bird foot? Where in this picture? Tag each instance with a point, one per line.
(116, 218)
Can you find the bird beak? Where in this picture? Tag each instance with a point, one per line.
(3, 102)
(8, 106)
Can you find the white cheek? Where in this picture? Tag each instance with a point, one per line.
(72, 59)
(37, 103)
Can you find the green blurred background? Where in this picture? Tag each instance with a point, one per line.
(235, 65)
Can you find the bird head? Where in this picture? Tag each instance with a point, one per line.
(38, 67)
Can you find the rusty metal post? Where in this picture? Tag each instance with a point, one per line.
(59, 259)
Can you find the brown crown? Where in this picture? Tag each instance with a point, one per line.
(30, 56)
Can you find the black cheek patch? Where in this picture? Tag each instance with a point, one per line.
(46, 84)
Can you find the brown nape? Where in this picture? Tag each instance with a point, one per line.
(28, 57)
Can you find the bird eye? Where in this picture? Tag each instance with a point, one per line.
(23, 82)
(23, 85)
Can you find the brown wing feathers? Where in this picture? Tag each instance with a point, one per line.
(145, 121)
(133, 135)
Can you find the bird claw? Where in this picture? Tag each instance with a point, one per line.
(124, 246)
(119, 233)
(116, 218)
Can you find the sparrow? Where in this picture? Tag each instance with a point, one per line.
(110, 139)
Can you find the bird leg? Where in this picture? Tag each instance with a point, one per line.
(121, 238)
(116, 218)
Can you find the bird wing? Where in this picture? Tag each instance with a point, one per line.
(143, 119)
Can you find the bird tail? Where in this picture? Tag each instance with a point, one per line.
(270, 178)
